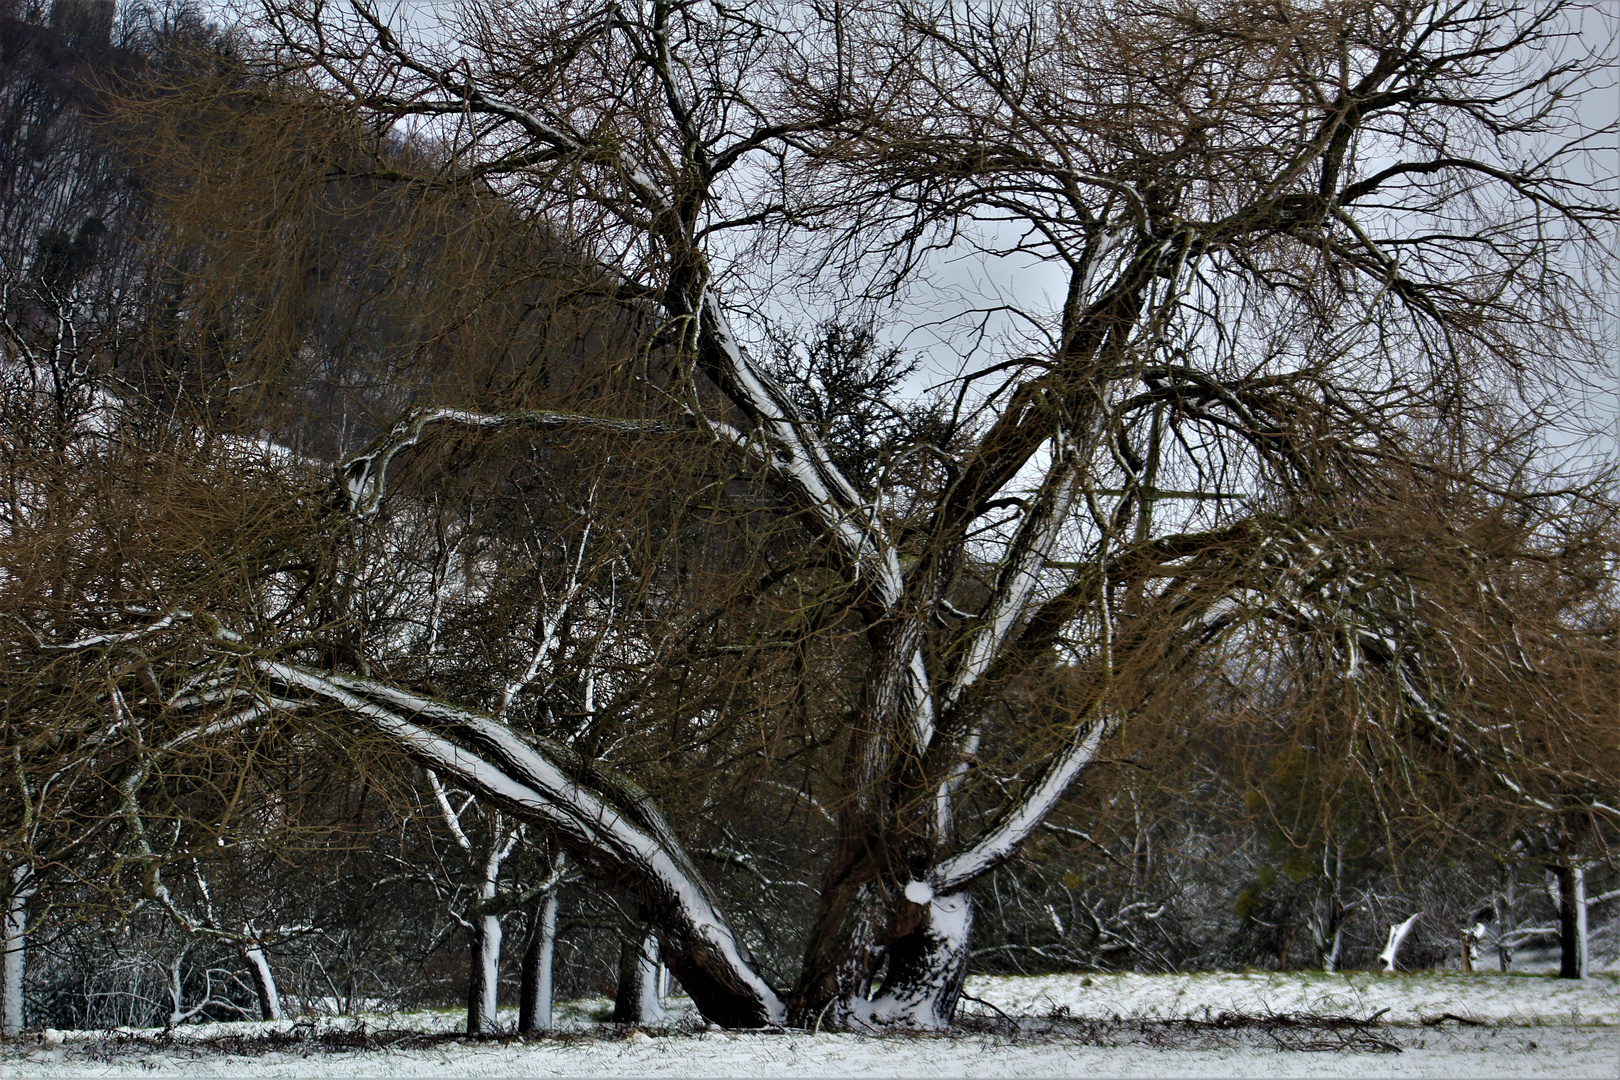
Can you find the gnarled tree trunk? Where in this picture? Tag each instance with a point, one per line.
(927, 965)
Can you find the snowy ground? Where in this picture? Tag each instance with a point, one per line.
(1435, 1024)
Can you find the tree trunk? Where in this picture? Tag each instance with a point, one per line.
(637, 999)
(926, 966)
(1397, 936)
(534, 998)
(483, 980)
(1572, 943)
(843, 953)
(1330, 955)
(1327, 932)
(264, 980)
(1503, 903)
(12, 964)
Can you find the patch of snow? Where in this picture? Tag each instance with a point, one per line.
(1534, 1026)
(1410, 998)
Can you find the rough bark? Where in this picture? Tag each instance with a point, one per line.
(534, 995)
(843, 952)
(927, 965)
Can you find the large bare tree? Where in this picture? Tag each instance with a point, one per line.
(1304, 254)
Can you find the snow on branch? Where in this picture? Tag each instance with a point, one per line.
(491, 760)
(800, 462)
(362, 475)
(1026, 556)
(1001, 841)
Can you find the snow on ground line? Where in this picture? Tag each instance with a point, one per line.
(1410, 998)
(1535, 1026)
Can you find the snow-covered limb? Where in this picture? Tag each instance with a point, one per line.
(452, 816)
(608, 825)
(548, 635)
(362, 476)
(926, 968)
(1021, 566)
(1002, 840)
(123, 636)
(1019, 573)
(800, 462)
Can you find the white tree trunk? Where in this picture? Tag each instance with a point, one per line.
(534, 1005)
(1330, 955)
(1397, 936)
(264, 980)
(639, 977)
(484, 980)
(1583, 940)
(13, 963)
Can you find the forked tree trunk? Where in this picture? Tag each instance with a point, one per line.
(264, 980)
(1327, 932)
(637, 999)
(483, 980)
(13, 961)
(534, 996)
(1572, 938)
(927, 966)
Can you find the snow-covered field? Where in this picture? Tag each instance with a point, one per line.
(1432, 1024)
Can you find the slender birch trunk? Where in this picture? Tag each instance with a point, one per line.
(14, 961)
(534, 998)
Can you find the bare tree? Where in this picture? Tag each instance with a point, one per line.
(1298, 246)
(1311, 261)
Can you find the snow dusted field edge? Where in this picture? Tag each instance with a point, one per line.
(1429, 1024)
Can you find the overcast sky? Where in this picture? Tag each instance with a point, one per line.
(1593, 431)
